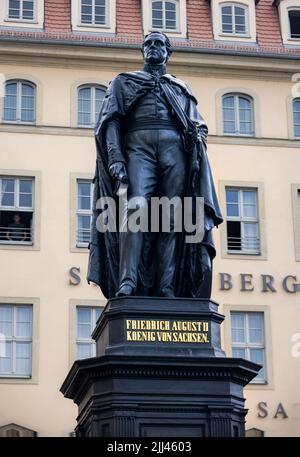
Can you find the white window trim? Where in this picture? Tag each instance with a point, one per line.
(247, 346)
(86, 341)
(7, 18)
(243, 220)
(18, 209)
(293, 119)
(261, 218)
(284, 7)
(232, 5)
(226, 336)
(82, 212)
(74, 95)
(73, 304)
(15, 339)
(19, 83)
(36, 23)
(93, 103)
(35, 303)
(108, 27)
(36, 198)
(236, 95)
(177, 16)
(296, 219)
(181, 32)
(74, 177)
(250, 36)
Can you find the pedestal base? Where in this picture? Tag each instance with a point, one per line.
(169, 378)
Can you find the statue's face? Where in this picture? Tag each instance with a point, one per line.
(155, 49)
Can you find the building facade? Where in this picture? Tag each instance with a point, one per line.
(241, 59)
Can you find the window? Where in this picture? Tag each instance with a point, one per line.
(19, 102)
(93, 12)
(15, 341)
(16, 210)
(84, 212)
(248, 341)
(164, 15)
(237, 115)
(294, 20)
(242, 221)
(234, 19)
(90, 100)
(296, 116)
(86, 323)
(21, 10)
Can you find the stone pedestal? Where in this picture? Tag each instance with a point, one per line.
(159, 372)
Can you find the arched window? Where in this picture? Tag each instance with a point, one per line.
(296, 117)
(238, 114)
(90, 99)
(294, 20)
(165, 15)
(19, 102)
(234, 19)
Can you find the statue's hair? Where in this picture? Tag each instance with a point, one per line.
(168, 43)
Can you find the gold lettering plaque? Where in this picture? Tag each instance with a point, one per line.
(167, 331)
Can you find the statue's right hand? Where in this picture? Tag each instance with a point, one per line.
(118, 171)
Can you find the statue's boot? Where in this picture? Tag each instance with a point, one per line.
(125, 291)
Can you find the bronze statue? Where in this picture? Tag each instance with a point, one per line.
(151, 136)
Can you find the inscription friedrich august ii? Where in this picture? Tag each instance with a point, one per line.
(167, 331)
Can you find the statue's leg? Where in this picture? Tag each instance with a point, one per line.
(172, 183)
(140, 153)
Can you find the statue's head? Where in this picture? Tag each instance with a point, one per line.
(156, 48)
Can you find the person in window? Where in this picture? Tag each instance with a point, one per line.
(16, 230)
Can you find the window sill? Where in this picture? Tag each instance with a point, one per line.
(20, 21)
(243, 253)
(16, 243)
(17, 122)
(10, 376)
(94, 26)
(240, 135)
(235, 35)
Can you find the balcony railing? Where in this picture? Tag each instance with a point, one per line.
(249, 245)
(16, 235)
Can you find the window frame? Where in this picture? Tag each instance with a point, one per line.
(19, 209)
(92, 24)
(289, 9)
(244, 220)
(18, 120)
(93, 88)
(247, 345)
(83, 212)
(108, 27)
(226, 338)
(15, 339)
(234, 5)
(87, 341)
(73, 305)
(297, 137)
(295, 188)
(177, 16)
(237, 255)
(21, 19)
(284, 6)
(236, 96)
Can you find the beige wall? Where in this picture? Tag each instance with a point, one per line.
(59, 153)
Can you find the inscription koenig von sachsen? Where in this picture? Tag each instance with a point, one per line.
(167, 331)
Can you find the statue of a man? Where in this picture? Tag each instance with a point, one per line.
(151, 135)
